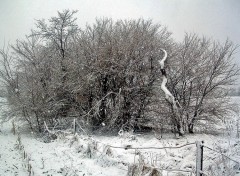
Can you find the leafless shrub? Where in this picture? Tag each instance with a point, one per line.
(107, 76)
(200, 74)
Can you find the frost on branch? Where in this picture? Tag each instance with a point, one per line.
(169, 97)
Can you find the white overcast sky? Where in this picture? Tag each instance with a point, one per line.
(218, 19)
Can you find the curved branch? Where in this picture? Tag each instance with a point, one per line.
(169, 97)
(161, 62)
(168, 94)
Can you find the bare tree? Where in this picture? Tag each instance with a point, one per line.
(200, 75)
(58, 35)
(120, 58)
(107, 76)
(104, 74)
(41, 69)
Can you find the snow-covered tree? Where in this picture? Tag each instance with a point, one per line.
(112, 75)
(199, 78)
(121, 66)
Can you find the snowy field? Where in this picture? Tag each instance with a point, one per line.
(82, 155)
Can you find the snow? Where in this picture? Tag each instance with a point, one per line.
(97, 155)
(11, 162)
(162, 61)
(168, 95)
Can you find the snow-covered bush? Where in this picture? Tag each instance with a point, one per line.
(103, 74)
(200, 74)
(141, 168)
(107, 76)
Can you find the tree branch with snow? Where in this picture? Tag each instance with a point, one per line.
(169, 97)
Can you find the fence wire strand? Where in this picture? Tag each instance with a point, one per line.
(143, 148)
(222, 154)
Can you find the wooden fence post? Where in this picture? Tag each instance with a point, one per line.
(199, 158)
(13, 127)
(74, 126)
(238, 130)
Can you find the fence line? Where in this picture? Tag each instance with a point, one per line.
(20, 147)
(128, 147)
(222, 154)
(176, 170)
(26, 158)
(199, 157)
(143, 148)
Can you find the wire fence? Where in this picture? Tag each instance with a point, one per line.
(230, 166)
(157, 148)
(199, 171)
(200, 146)
(129, 147)
(221, 154)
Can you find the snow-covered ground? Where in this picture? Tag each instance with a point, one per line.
(11, 162)
(73, 155)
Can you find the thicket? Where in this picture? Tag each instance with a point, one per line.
(107, 76)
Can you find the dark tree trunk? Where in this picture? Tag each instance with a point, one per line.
(38, 122)
(179, 130)
(126, 114)
(191, 124)
(103, 106)
(190, 128)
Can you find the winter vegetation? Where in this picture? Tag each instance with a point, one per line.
(107, 76)
(234, 91)
(118, 78)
